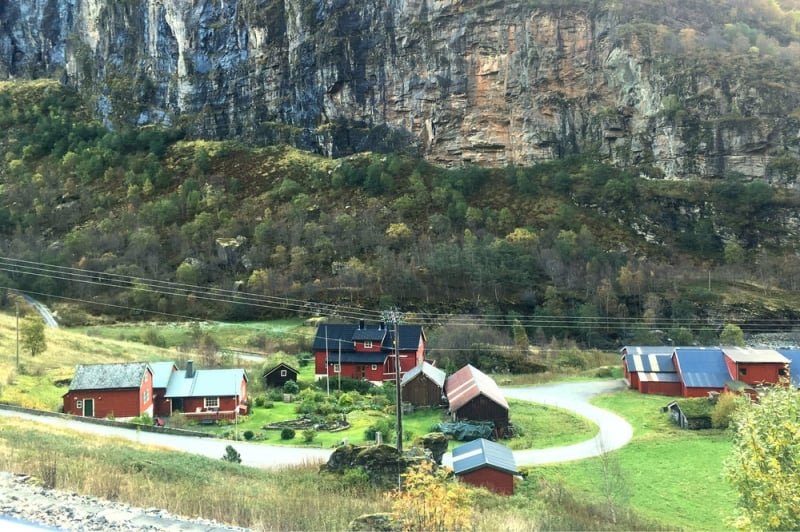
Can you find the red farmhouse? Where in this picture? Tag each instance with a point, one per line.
(366, 351)
(118, 390)
(208, 394)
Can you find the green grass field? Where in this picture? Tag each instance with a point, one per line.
(670, 476)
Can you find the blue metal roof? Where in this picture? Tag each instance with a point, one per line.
(483, 453)
(650, 363)
(162, 371)
(206, 383)
(794, 364)
(702, 367)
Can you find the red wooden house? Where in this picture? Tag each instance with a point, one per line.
(208, 394)
(756, 366)
(366, 351)
(111, 390)
(485, 464)
(162, 373)
(651, 370)
(701, 370)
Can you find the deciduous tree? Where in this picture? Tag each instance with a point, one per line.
(431, 501)
(765, 465)
(32, 334)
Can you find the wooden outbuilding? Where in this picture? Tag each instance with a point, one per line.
(794, 365)
(424, 386)
(486, 464)
(756, 366)
(701, 370)
(277, 376)
(110, 390)
(641, 360)
(208, 394)
(474, 396)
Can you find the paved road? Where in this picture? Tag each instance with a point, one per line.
(574, 396)
(253, 454)
(47, 316)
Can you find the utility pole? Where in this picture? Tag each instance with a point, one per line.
(16, 313)
(394, 317)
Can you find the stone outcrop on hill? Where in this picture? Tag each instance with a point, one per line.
(459, 82)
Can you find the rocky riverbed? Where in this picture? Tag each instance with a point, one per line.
(24, 500)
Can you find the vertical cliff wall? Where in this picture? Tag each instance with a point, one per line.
(456, 81)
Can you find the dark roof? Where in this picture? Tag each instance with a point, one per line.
(109, 376)
(702, 367)
(794, 364)
(468, 383)
(429, 370)
(281, 365)
(650, 363)
(482, 453)
(330, 334)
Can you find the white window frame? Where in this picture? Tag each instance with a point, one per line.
(374, 367)
(337, 368)
(368, 344)
(211, 402)
(146, 396)
(79, 404)
(283, 373)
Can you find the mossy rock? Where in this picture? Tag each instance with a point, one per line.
(435, 442)
(383, 522)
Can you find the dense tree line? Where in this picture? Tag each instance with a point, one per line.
(571, 240)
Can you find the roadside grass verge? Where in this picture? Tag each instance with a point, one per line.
(292, 498)
(666, 474)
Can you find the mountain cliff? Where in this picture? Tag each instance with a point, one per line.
(692, 88)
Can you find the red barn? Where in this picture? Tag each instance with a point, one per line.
(701, 370)
(485, 464)
(365, 351)
(111, 390)
(756, 366)
(637, 360)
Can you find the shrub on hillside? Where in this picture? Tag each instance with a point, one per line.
(287, 433)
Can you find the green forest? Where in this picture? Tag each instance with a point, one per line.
(576, 248)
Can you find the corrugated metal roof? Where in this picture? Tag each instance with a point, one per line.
(647, 350)
(650, 363)
(109, 376)
(702, 367)
(469, 382)
(429, 370)
(162, 371)
(206, 383)
(754, 355)
(794, 364)
(483, 453)
(659, 377)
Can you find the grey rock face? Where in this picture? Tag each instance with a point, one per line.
(458, 82)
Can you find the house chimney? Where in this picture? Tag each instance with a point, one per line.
(189, 369)
(361, 324)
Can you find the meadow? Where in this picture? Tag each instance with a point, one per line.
(666, 478)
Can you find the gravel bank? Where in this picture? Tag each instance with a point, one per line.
(21, 499)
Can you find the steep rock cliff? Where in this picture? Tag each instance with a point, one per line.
(491, 83)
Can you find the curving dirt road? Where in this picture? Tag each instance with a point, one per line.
(573, 396)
